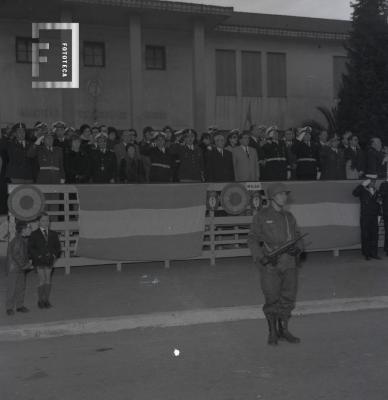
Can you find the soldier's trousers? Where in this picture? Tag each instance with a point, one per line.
(279, 286)
(16, 287)
(369, 235)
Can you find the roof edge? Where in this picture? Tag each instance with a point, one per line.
(190, 8)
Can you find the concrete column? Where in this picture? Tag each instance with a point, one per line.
(68, 106)
(199, 76)
(135, 71)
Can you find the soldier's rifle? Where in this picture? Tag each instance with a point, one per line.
(271, 257)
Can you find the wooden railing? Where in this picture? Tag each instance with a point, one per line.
(224, 235)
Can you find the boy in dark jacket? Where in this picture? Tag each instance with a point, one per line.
(17, 266)
(44, 249)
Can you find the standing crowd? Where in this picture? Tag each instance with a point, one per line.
(102, 154)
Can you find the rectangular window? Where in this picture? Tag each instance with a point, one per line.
(94, 54)
(339, 68)
(155, 57)
(226, 73)
(276, 75)
(251, 74)
(23, 50)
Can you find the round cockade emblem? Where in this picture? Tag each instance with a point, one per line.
(234, 198)
(26, 202)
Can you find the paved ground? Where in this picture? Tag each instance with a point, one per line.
(149, 288)
(342, 356)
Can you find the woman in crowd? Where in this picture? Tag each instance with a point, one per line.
(132, 167)
(232, 141)
(86, 137)
(113, 138)
(77, 163)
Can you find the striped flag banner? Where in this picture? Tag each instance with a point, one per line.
(328, 212)
(141, 222)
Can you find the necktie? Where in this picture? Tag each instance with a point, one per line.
(221, 152)
(246, 151)
(45, 234)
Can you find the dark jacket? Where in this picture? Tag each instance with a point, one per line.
(132, 170)
(332, 163)
(41, 251)
(219, 167)
(19, 166)
(17, 255)
(77, 167)
(276, 163)
(103, 166)
(374, 163)
(383, 190)
(307, 160)
(356, 158)
(191, 162)
(51, 169)
(370, 205)
(161, 164)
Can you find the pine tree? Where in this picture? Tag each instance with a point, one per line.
(363, 97)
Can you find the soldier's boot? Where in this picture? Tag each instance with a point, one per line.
(272, 335)
(41, 296)
(47, 303)
(284, 333)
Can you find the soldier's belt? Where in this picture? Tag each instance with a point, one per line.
(276, 159)
(160, 165)
(52, 168)
(306, 159)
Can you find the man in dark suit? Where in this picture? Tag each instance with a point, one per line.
(44, 248)
(103, 163)
(219, 162)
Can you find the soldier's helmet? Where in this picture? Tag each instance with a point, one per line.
(276, 188)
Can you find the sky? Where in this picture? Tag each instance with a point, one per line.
(332, 9)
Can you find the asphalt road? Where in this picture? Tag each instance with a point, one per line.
(342, 356)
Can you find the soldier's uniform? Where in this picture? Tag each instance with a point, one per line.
(50, 162)
(269, 230)
(275, 157)
(370, 209)
(103, 166)
(307, 161)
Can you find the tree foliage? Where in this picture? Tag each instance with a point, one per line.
(363, 97)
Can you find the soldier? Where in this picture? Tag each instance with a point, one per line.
(271, 228)
(44, 249)
(307, 156)
(275, 160)
(103, 163)
(370, 209)
(50, 160)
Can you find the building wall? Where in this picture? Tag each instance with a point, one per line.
(168, 94)
(18, 102)
(309, 81)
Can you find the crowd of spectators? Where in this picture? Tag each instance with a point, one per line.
(101, 154)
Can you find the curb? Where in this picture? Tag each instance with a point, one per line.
(180, 318)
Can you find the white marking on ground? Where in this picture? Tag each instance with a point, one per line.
(180, 318)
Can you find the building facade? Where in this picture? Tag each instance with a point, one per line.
(158, 62)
